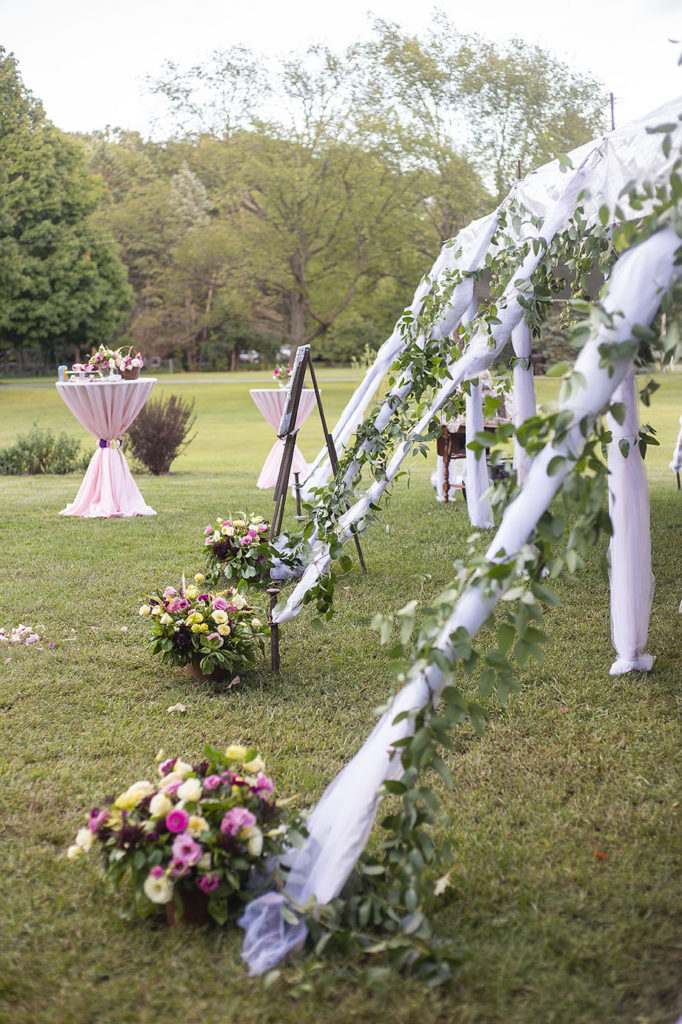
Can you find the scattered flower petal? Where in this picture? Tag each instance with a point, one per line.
(177, 707)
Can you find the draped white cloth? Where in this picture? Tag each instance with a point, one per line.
(343, 817)
(271, 402)
(477, 482)
(676, 464)
(106, 409)
(523, 394)
(631, 578)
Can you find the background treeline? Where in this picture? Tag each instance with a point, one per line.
(290, 201)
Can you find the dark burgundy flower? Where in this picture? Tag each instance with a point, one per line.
(182, 638)
(200, 768)
(222, 548)
(129, 836)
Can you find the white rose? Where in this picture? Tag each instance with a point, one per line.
(165, 619)
(256, 622)
(145, 610)
(84, 839)
(238, 601)
(190, 790)
(157, 610)
(227, 531)
(181, 768)
(74, 852)
(254, 766)
(220, 617)
(160, 805)
(158, 890)
(254, 840)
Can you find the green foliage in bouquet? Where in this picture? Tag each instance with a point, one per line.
(219, 630)
(204, 832)
(239, 549)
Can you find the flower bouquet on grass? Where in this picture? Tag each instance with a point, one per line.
(239, 549)
(217, 634)
(198, 840)
(282, 375)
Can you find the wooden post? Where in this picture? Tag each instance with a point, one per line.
(274, 631)
(297, 492)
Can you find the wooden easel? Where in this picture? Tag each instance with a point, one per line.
(288, 432)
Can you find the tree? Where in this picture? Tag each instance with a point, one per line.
(63, 285)
(317, 202)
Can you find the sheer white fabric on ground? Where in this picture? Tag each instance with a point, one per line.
(344, 815)
(477, 482)
(523, 394)
(632, 582)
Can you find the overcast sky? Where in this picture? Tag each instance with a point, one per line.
(87, 59)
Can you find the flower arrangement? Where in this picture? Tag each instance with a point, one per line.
(239, 549)
(282, 375)
(124, 360)
(218, 632)
(201, 832)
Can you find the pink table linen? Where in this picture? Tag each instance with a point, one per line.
(106, 409)
(271, 402)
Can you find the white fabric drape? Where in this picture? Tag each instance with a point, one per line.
(631, 578)
(477, 483)
(344, 815)
(523, 395)
(676, 464)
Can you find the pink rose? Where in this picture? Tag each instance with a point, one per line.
(264, 784)
(177, 820)
(220, 604)
(236, 819)
(212, 781)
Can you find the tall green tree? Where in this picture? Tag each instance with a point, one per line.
(63, 286)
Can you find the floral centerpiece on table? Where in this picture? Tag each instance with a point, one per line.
(129, 362)
(214, 631)
(238, 549)
(103, 359)
(200, 832)
(282, 375)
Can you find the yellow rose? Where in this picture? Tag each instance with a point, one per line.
(157, 610)
(254, 766)
(254, 840)
(238, 522)
(196, 825)
(145, 610)
(191, 593)
(132, 796)
(74, 852)
(224, 630)
(236, 752)
(199, 577)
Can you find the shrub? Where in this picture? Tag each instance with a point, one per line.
(40, 451)
(160, 432)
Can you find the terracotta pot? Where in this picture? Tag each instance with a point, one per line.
(194, 909)
(218, 675)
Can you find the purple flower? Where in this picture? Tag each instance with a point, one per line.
(157, 871)
(207, 883)
(179, 868)
(220, 604)
(237, 819)
(169, 592)
(97, 818)
(212, 781)
(180, 605)
(168, 766)
(264, 784)
(208, 530)
(204, 598)
(186, 848)
(177, 820)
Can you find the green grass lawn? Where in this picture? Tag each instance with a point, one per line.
(578, 762)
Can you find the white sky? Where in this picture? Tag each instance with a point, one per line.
(87, 59)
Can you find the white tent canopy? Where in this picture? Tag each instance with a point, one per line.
(341, 821)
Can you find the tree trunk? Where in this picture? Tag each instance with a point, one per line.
(234, 359)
